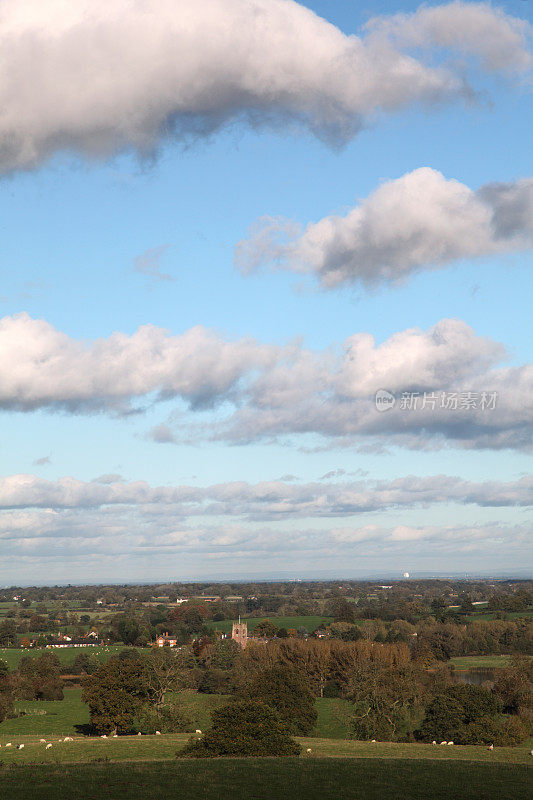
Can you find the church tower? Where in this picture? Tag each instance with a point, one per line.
(240, 633)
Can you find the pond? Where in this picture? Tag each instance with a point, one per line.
(475, 676)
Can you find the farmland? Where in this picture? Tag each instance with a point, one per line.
(310, 623)
(66, 655)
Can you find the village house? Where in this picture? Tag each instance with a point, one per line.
(164, 640)
(89, 640)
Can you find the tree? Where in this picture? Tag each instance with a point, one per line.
(245, 728)
(6, 698)
(342, 610)
(163, 674)
(387, 700)
(287, 691)
(265, 629)
(116, 692)
(38, 678)
(453, 710)
(128, 630)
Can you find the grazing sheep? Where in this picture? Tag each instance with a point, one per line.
(9, 744)
(450, 742)
(433, 742)
(490, 747)
(531, 752)
(68, 739)
(308, 751)
(198, 730)
(158, 733)
(115, 736)
(42, 741)
(444, 742)
(139, 734)
(48, 746)
(20, 746)
(103, 736)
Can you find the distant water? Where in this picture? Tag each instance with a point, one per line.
(475, 676)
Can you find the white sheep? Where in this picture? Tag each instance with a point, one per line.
(373, 741)
(139, 734)
(103, 736)
(9, 744)
(308, 751)
(20, 746)
(115, 736)
(158, 733)
(490, 747)
(444, 742)
(450, 742)
(42, 741)
(48, 746)
(198, 730)
(433, 742)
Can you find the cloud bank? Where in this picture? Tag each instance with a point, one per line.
(182, 529)
(421, 221)
(265, 500)
(101, 76)
(461, 395)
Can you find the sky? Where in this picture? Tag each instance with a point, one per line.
(266, 296)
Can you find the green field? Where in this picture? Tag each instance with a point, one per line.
(12, 655)
(309, 623)
(270, 779)
(51, 717)
(471, 662)
(334, 716)
(161, 748)
(60, 717)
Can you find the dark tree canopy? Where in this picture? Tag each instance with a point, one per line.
(287, 691)
(245, 728)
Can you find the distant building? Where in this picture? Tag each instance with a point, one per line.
(213, 598)
(239, 633)
(164, 640)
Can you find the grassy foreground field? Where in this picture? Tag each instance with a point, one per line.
(270, 779)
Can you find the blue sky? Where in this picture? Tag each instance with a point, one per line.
(73, 228)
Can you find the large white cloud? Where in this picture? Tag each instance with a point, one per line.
(100, 76)
(41, 366)
(419, 221)
(269, 391)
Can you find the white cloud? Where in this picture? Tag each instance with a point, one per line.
(42, 367)
(264, 391)
(416, 222)
(149, 263)
(265, 500)
(100, 76)
(477, 28)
